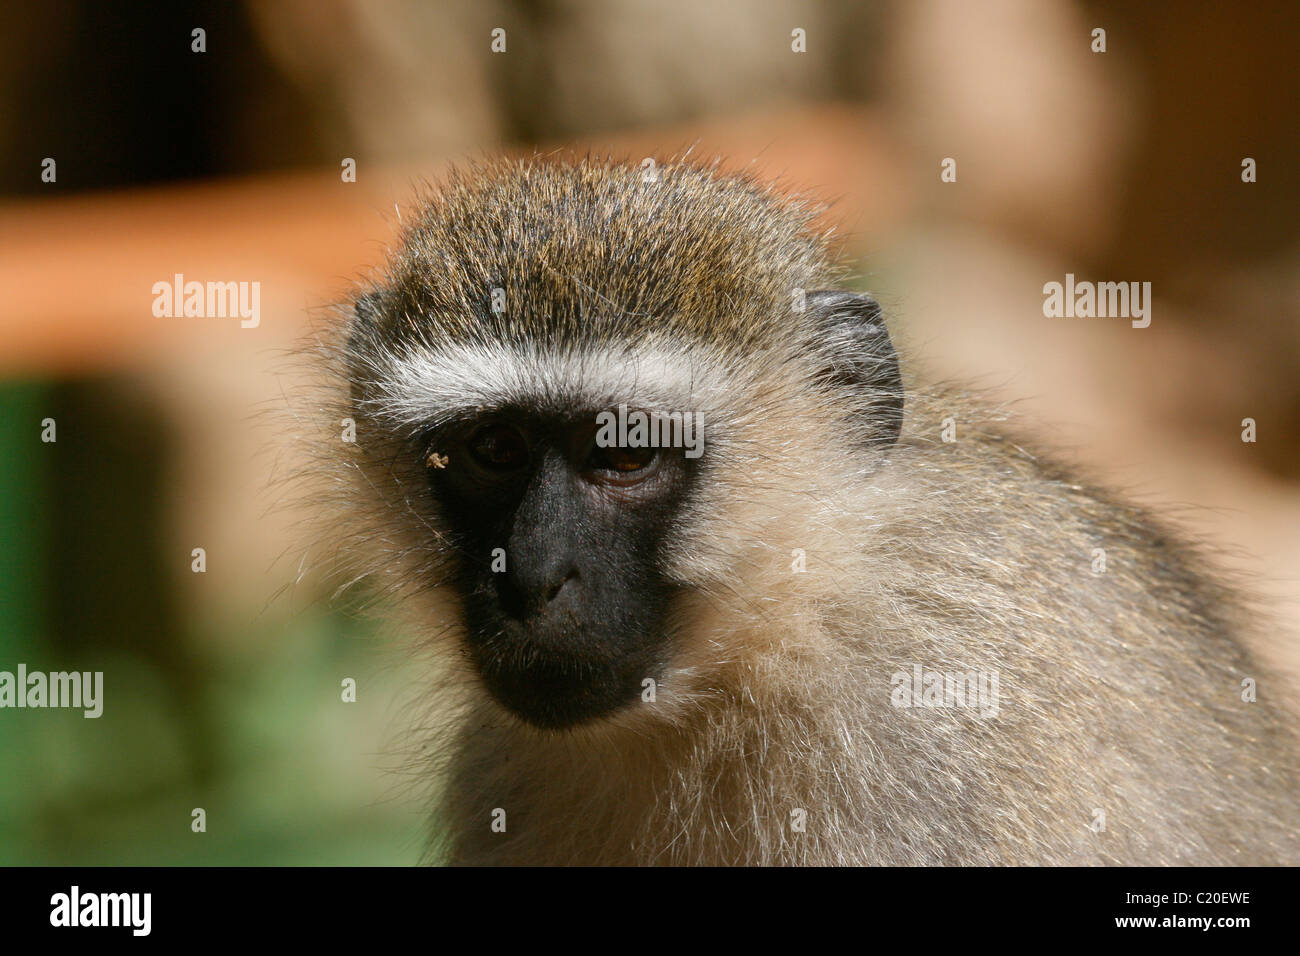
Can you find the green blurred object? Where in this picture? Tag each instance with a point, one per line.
(287, 771)
(23, 481)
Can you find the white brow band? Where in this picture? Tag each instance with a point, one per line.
(430, 385)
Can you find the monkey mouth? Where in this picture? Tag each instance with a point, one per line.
(555, 688)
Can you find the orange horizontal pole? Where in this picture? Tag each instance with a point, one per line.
(78, 271)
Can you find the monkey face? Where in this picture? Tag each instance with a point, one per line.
(523, 304)
(558, 539)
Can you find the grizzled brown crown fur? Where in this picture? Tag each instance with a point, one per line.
(604, 251)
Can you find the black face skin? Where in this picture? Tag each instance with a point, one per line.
(574, 624)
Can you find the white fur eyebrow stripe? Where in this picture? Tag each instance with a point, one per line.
(430, 385)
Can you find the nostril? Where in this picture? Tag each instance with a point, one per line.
(554, 592)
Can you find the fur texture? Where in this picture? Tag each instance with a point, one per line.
(1118, 691)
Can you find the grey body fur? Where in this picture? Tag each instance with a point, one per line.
(1118, 691)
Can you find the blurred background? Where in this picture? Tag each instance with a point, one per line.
(222, 688)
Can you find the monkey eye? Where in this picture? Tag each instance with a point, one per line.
(621, 459)
(499, 447)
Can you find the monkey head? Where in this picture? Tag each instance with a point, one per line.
(575, 388)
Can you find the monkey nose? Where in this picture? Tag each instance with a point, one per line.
(527, 595)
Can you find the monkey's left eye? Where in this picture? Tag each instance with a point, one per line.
(499, 447)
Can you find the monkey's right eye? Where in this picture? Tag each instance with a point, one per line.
(499, 448)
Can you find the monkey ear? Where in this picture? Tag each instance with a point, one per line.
(364, 323)
(367, 311)
(361, 330)
(851, 328)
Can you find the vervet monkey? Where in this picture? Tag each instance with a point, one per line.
(829, 636)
